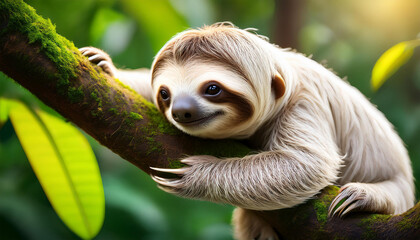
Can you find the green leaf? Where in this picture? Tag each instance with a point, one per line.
(391, 61)
(65, 166)
(4, 111)
(157, 18)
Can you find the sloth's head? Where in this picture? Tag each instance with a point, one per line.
(217, 82)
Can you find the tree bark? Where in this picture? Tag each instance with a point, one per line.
(49, 66)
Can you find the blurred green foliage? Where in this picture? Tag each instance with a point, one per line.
(348, 36)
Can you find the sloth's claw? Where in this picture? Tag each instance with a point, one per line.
(188, 161)
(343, 208)
(179, 171)
(351, 199)
(83, 50)
(167, 183)
(88, 51)
(334, 204)
(100, 58)
(96, 57)
(351, 207)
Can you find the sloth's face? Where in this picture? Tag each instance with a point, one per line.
(205, 100)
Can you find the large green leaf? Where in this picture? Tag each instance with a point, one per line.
(65, 166)
(157, 18)
(391, 61)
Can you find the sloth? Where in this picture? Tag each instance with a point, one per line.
(311, 128)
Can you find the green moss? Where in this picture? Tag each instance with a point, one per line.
(375, 221)
(131, 118)
(331, 191)
(321, 210)
(321, 204)
(154, 146)
(95, 96)
(125, 86)
(157, 120)
(175, 163)
(128, 122)
(340, 238)
(75, 94)
(135, 116)
(113, 111)
(23, 19)
(98, 112)
(94, 113)
(409, 221)
(94, 74)
(368, 224)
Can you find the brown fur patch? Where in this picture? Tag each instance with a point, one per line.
(239, 102)
(162, 104)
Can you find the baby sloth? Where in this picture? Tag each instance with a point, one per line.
(311, 128)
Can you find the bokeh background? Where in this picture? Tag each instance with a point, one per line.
(347, 36)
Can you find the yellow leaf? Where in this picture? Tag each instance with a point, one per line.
(391, 61)
(65, 166)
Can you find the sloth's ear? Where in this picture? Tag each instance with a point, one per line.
(278, 85)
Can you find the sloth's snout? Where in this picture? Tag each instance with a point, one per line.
(185, 109)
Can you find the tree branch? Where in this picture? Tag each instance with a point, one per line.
(49, 66)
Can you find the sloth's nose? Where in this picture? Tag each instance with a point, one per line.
(185, 109)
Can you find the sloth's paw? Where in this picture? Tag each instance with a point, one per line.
(352, 197)
(191, 181)
(99, 58)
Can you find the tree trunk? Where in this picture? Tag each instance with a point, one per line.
(49, 66)
(288, 21)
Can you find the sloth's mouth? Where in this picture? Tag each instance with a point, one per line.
(203, 120)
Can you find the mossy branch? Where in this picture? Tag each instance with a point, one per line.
(51, 67)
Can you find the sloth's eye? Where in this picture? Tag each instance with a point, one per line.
(213, 90)
(164, 94)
